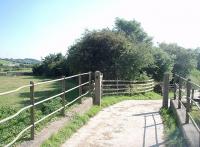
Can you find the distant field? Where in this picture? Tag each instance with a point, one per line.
(21, 98)
(5, 62)
(23, 70)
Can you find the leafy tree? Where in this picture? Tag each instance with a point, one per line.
(183, 59)
(162, 63)
(52, 65)
(109, 52)
(183, 64)
(133, 30)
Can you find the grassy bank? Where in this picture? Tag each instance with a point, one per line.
(79, 120)
(173, 134)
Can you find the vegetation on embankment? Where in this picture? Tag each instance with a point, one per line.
(79, 120)
(173, 134)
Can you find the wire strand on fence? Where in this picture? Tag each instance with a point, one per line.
(16, 114)
(45, 82)
(47, 99)
(37, 103)
(12, 91)
(48, 115)
(76, 99)
(17, 137)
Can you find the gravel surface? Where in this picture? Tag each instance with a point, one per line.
(131, 123)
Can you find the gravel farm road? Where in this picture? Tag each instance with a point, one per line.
(131, 123)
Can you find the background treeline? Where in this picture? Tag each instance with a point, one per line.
(124, 52)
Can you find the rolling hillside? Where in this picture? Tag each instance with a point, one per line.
(11, 62)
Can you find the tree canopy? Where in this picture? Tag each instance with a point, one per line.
(124, 52)
(109, 52)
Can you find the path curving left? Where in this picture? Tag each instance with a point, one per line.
(131, 123)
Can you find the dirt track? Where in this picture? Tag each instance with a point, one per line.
(132, 123)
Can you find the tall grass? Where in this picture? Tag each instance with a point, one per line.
(173, 134)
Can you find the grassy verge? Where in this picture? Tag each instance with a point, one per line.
(11, 103)
(173, 134)
(79, 120)
(195, 76)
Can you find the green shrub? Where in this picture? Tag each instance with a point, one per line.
(157, 88)
(50, 106)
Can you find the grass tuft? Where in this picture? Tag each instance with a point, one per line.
(172, 131)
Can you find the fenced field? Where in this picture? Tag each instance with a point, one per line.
(29, 107)
(34, 104)
(22, 97)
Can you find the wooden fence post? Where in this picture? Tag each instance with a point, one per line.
(32, 110)
(174, 86)
(80, 88)
(165, 90)
(90, 82)
(98, 82)
(192, 97)
(117, 87)
(188, 88)
(179, 92)
(63, 96)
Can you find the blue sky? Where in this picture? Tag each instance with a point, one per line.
(35, 28)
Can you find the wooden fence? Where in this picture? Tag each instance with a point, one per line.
(187, 94)
(33, 104)
(100, 87)
(113, 87)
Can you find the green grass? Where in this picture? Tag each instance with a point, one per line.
(195, 76)
(173, 134)
(21, 98)
(79, 120)
(22, 70)
(11, 103)
(5, 62)
(195, 113)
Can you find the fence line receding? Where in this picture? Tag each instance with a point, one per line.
(32, 106)
(187, 94)
(112, 87)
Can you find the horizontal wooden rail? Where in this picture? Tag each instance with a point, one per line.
(124, 86)
(113, 85)
(189, 89)
(114, 93)
(116, 89)
(128, 81)
(143, 88)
